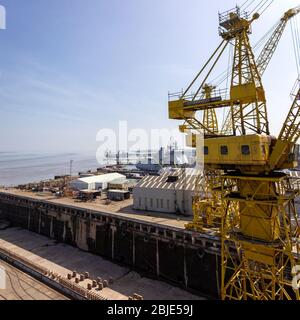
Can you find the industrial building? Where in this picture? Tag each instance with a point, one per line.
(95, 182)
(123, 184)
(171, 192)
(118, 195)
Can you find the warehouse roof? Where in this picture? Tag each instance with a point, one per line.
(101, 178)
(118, 191)
(179, 179)
(119, 180)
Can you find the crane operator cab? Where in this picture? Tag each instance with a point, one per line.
(249, 154)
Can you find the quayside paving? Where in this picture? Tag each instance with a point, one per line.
(119, 209)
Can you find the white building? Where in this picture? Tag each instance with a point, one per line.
(171, 192)
(95, 182)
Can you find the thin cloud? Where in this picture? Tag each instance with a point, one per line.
(41, 91)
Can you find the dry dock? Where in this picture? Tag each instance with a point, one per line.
(154, 245)
(63, 259)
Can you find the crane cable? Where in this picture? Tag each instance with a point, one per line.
(249, 4)
(296, 42)
(298, 46)
(229, 72)
(260, 6)
(263, 40)
(266, 8)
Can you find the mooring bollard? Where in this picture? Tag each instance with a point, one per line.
(137, 296)
(100, 286)
(99, 280)
(105, 283)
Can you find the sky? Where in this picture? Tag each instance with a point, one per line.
(69, 68)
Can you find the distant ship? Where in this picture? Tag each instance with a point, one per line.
(155, 161)
(172, 158)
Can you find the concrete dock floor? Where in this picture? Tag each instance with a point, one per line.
(20, 286)
(63, 259)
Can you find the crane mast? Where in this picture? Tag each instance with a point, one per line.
(247, 97)
(210, 120)
(248, 102)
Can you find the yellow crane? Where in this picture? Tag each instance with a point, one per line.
(259, 227)
(265, 232)
(207, 206)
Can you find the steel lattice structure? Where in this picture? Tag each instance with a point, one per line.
(261, 247)
(245, 198)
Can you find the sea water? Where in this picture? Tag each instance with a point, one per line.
(20, 168)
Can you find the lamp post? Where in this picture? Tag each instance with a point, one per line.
(71, 167)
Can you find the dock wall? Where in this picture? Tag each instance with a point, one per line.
(186, 259)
